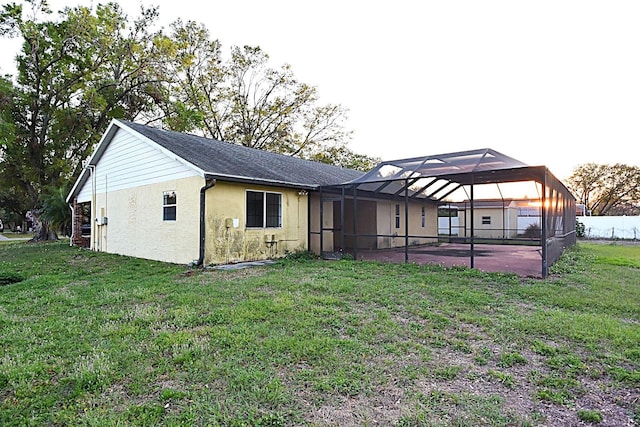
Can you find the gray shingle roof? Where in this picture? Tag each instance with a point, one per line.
(226, 160)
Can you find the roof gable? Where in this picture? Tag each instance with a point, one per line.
(235, 162)
(223, 160)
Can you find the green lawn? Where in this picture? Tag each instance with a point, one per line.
(96, 339)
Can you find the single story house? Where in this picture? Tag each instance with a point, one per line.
(169, 196)
(163, 195)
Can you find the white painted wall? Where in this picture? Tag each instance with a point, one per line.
(457, 229)
(135, 225)
(611, 227)
(130, 162)
(130, 178)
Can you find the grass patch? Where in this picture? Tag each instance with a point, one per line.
(98, 339)
(510, 359)
(505, 379)
(589, 416)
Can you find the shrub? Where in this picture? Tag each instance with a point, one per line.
(301, 256)
(533, 231)
(580, 229)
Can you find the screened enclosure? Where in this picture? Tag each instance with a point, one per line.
(460, 201)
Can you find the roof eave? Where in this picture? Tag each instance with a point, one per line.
(262, 181)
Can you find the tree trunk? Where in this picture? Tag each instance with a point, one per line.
(42, 230)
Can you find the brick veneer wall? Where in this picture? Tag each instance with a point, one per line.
(78, 238)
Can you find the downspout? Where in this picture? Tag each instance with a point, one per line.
(406, 220)
(208, 183)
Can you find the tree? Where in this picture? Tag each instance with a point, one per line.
(56, 211)
(77, 72)
(74, 75)
(342, 156)
(244, 101)
(606, 189)
(13, 201)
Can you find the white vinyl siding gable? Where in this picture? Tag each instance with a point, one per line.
(129, 162)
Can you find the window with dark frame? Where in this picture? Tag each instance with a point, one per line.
(263, 209)
(169, 205)
(486, 220)
(274, 210)
(397, 216)
(424, 217)
(255, 209)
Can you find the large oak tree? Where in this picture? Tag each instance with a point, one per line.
(78, 70)
(241, 99)
(74, 74)
(607, 189)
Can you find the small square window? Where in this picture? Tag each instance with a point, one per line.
(169, 205)
(486, 220)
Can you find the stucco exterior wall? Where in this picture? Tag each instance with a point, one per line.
(504, 223)
(135, 224)
(387, 224)
(382, 213)
(227, 237)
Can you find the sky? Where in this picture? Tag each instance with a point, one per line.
(553, 83)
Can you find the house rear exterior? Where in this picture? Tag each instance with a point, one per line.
(174, 197)
(168, 196)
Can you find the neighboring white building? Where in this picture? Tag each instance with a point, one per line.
(493, 219)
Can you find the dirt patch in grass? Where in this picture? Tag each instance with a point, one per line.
(476, 383)
(384, 406)
(206, 277)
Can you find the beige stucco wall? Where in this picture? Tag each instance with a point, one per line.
(387, 223)
(504, 223)
(384, 217)
(226, 202)
(135, 226)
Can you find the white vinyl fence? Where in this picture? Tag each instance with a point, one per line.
(611, 227)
